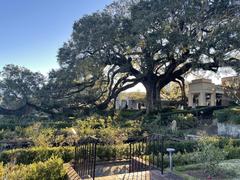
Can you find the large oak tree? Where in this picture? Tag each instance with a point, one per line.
(152, 42)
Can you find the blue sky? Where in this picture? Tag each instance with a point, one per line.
(31, 31)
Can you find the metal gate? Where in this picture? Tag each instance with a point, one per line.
(146, 154)
(143, 154)
(85, 158)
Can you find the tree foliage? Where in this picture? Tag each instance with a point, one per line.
(19, 89)
(232, 89)
(153, 42)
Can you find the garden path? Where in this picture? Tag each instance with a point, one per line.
(143, 175)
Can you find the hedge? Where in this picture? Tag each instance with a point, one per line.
(51, 169)
(181, 159)
(36, 154)
(104, 152)
(112, 152)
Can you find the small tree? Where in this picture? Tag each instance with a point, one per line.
(210, 156)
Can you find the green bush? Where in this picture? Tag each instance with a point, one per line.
(232, 152)
(221, 142)
(36, 154)
(179, 159)
(182, 146)
(179, 146)
(210, 156)
(106, 130)
(231, 115)
(49, 170)
(185, 121)
(112, 152)
(111, 135)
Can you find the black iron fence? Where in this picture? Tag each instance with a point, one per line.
(85, 158)
(146, 154)
(143, 154)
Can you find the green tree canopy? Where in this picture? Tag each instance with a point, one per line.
(151, 42)
(19, 89)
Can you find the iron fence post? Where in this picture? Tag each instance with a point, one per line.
(94, 162)
(162, 151)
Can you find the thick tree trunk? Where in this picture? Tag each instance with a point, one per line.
(150, 98)
(152, 95)
(158, 96)
(153, 87)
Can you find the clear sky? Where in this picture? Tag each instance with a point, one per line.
(31, 31)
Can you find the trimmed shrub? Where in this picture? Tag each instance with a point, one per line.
(36, 154)
(49, 170)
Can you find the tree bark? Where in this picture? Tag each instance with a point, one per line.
(158, 96)
(152, 93)
(154, 85)
(150, 97)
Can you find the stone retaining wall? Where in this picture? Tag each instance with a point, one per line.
(225, 129)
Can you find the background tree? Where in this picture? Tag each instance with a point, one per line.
(153, 43)
(172, 92)
(232, 89)
(21, 91)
